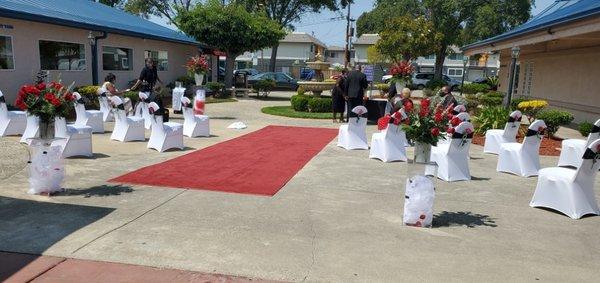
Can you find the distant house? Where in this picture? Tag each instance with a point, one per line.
(294, 50)
(335, 54)
(559, 57)
(55, 35)
(361, 45)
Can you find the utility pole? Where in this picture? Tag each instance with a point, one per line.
(347, 47)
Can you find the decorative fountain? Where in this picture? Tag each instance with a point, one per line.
(317, 85)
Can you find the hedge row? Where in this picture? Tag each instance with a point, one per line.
(305, 103)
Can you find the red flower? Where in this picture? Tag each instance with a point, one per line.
(56, 85)
(27, 89)
(438, 117)
(408, 107)
(69, 96)
(19, 103)
(56, 102)
(41, 86)
(425, 103)
(455, 121)
(49, 97)
(435, 132)
(450, 130)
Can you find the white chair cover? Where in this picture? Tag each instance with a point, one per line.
(194, 125)
(570, 191)
(494, 138)
(177, 95)
(126, 128)
(572, 149)
(354, 134)
(74, 140)
(462, 117)
(453, 157)
(141, 110)
(32, 130)
(459, 109)
(523, 159)
(389, 145)
(164, 136)
(11, 122)
(107, 114)
(92, 118)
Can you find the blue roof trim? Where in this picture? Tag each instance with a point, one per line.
(90, 15)
(569, 13)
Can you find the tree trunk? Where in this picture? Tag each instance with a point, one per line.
(229, 65)
(440, 57)
(273, 60)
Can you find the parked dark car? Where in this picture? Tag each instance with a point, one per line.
(247, 72)
(420, 80)
(282, 80)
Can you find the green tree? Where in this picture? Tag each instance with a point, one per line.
(288, 12)
(458, 21)
(230, 28)
(112, 3)
(405, 38)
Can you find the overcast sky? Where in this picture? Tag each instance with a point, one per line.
(330, 27)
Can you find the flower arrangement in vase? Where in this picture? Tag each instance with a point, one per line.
(198, 67)
(46, 101)
(401, 74)
(424, 126)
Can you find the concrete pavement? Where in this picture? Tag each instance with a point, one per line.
(339, 219)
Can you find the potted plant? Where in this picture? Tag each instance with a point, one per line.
(46, 101)
(424, 127)
(198, 67)
(401, 74)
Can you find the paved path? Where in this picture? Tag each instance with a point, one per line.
(338, 220)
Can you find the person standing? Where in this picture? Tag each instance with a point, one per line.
(338, 95)
(147, 80)
(448, 97)
(355, 86)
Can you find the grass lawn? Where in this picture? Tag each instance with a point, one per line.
(219, 100)
(287, 111)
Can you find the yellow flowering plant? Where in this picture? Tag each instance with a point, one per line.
(532, 107)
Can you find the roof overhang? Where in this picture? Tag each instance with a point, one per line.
(546, 33)
(62, 22)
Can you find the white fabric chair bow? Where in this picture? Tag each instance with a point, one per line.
(92, 118)
(523, 159)
(11, 122)
(572, 149)
(494, 138)
(194, 125)
(164, 136)
(74, 140)
(107, 114)
(141, 109)
(354, 134)
(453, 157)
(389, 144)
(126, 128)
(459, 109)
(570, 191)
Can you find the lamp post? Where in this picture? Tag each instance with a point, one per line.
(515, 51)
(462, 83)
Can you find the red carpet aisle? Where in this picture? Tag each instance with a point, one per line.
(258, 163)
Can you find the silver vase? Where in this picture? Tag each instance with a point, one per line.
(47, 130)
(422, 152)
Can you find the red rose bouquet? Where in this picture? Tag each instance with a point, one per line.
(197, 65)
(402, 72)
(46, 100)
(426, 123)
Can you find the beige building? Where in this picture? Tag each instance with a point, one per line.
(34, 39)
(558, 57)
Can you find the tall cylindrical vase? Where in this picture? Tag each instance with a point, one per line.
(47, 130)
(199, 78)
(422, 152)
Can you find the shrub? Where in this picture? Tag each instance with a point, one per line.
(320, 104)
(585, 128)
(133, 95)
(264, 86)
(89, 94)
(300, 102)
(383, 88)
(300, 91)
(491, 99)
(493, 82)
(554, 119)
(475, 88)
(433, 84)
(186, 81)
(514, 102)
(490, 118)
(472, 101)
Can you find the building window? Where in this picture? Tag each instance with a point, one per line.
(430, 57)
(62, 56)
(161, 58)
(332, 54)
(455, 72)
(7, 60)
(116, 59)
(455, 56)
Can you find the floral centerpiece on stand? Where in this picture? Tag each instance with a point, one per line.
(424, 127)
(46, 101)
(401, 74)
(198, 67)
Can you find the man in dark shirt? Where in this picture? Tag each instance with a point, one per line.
(448, 97)
(148, 77)
(355, 85)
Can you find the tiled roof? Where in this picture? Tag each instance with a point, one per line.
(367, 39)
(302, 37)
(335, 48)
(90, 15)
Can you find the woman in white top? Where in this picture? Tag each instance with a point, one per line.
(108, 88)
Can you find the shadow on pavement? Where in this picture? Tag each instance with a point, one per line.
(98, 191)
(32, 227)
(462, 218)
